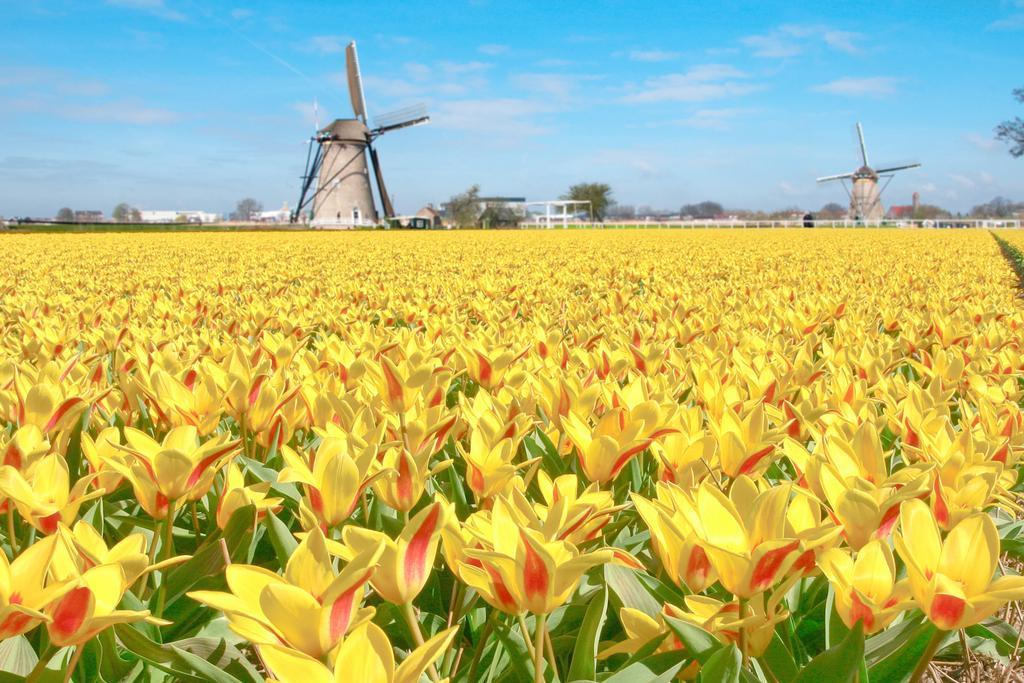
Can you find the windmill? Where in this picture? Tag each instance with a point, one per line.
(865, 195)
(336, 182)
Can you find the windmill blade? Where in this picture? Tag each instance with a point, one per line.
(839, 176)
(355, 82)
(316, 114)
(892, 169)
(863, 146)
(385, 200)
(401, 118)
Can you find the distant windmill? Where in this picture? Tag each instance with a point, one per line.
(337, 165)
(865, 195)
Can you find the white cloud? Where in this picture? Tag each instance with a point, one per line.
(557, 86)
(962, 180)
(83, 88)
(417, 71)
(711, 119)
(503, 117)
(326, 45)
(653, 55)
(492, 49)
(982, 142)
(240, 13)
(700, 83)
(1013, 22)
(844, 41)
(157, 8)
(123, 111)
(850, 86)
(452, 68)
(929, 188)
(790, 40)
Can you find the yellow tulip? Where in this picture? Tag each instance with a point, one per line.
(673, 539)
(522, 571)
(45, 497)
(951, 579)
(333, 476)
(723, 619)
(865, 588)
(178, 469)
(406, 562)
(366, 656)
(90, 606)
(746, 444)
(310, 608)
(618, 436)
(25, 591)
(24, 447)
(237, 495)
(744, 534)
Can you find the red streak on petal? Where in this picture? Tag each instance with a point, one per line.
(535, 573)
(61, 412)
(750, 463)
(888, 522)
(861, 612)
(416, 562)
(697, 568)
(768, 566)
(946, 611)
(70, 612)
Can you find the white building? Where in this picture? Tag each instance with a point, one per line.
(179, 217)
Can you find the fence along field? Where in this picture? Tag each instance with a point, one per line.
(559, 455)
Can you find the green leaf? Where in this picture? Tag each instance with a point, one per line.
(839, 664)
(893, 653)
(627, 587)
(642, 673)
(540, 446)
(700, 644)
(207, 564)
(203, 667)
(280, 537)
(724, 666)
(17, 656)
(584, 656)
(778, 659)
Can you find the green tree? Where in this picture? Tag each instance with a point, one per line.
(499, 216)
(464, 209)
(702, 210)
(1012, 131)
(66, 215)
(598, 194)
(246, 210)
(125, 213)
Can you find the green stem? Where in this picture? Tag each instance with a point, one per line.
(743, 631)
(414, 626)
(926, 656)
(481, 644)
(538, 649)
(73, 664)
(40, 667)
(526, 634)
(167, 550)
(11, 536)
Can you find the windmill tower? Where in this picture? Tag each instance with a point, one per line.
(340, 156)
(864, 192)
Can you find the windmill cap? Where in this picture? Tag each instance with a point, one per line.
(347, 130)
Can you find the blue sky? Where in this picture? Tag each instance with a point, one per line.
(185, 104)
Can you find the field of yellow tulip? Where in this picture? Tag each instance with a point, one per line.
(621, 456)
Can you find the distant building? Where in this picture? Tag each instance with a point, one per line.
(282, 215)
(179, 217)
(431, 214)
(89, 216)
(906, 211)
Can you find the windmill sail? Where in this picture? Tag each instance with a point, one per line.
(385, 200)
(355, 82)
